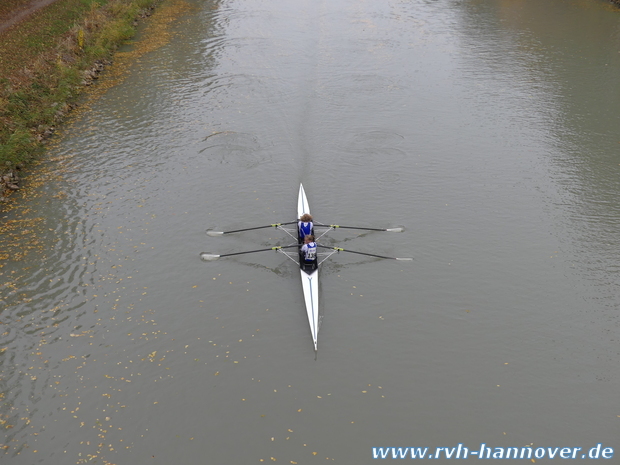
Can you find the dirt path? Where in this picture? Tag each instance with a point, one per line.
(22, 13)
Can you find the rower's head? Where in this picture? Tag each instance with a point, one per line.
(306, 218)
(309, 238)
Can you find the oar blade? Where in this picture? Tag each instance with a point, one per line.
(211, 232)
(404, 258)
(208, 257)
(398, 230)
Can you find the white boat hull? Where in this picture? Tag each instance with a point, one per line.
(310, 284)
(309, 281)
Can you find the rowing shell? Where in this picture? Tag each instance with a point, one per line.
(309, 270)
(310, 278)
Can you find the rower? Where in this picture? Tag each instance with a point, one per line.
(305, 227)
(307, 253)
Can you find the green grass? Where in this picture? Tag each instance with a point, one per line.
(49, 43)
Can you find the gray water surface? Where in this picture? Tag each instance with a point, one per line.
(488, 128)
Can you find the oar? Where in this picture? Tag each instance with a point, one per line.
(210, 232)
(336, 226)
(210, 257)
(338, 249)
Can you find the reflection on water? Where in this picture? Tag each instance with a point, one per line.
(486, 129)
(565, 77)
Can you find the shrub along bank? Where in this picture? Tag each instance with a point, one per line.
(45, 60)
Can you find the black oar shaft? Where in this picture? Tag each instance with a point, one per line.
(258, 250)
(338, 226)
(274, 225)
(361, 253)
(338, 249)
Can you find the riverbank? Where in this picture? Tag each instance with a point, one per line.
(66, 44)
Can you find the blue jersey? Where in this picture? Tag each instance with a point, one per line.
(305, 229)
(309, 251)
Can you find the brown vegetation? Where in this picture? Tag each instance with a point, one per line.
(8, 8)
(45, 60)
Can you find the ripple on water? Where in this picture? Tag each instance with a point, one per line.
(366, 86)
(230, 147)
(371, 140)
(231, 89)
(373, 148)
(387, 179)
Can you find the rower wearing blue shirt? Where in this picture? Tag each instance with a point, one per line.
(308, 250)
(305, 227)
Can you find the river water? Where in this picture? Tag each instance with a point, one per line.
(488, 128)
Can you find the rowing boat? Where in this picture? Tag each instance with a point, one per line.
(309, 276)
(309, 271)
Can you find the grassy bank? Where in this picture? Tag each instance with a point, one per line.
(63, 46)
